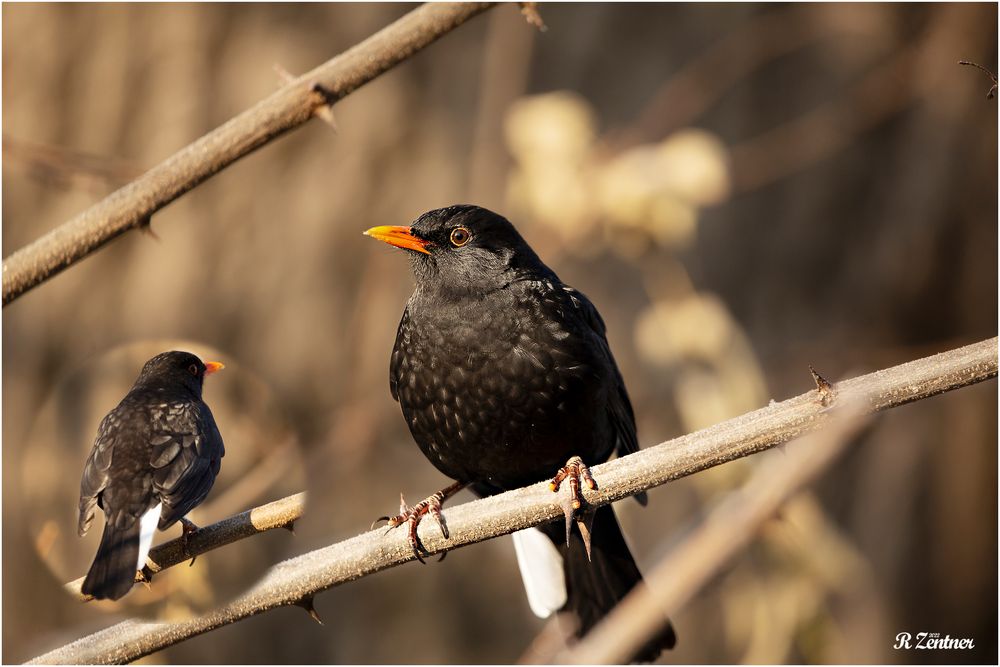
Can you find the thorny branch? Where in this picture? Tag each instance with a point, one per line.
(296, 581)
(294, 104)
(278, 514)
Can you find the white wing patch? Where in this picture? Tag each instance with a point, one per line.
(541, 568)
(147, 527)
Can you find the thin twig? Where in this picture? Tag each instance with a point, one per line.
(286, 109)
(296, 580)
(278, 514)
(65, 166)
(728, 530)
(991, 93)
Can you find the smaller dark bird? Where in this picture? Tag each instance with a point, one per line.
(156, 456)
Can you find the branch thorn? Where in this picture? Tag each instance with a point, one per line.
(325, 111)
(585, 521)
(827, 392)
(308, 604)
(530, 12)
(146, 227)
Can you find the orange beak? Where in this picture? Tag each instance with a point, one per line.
(213, 366)
(401, 237)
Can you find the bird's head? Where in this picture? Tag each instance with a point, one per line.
(171, 369)
(463, 249)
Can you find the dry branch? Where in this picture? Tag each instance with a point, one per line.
(728, 529)
(278, 514)
(298, 580)
(286, 109)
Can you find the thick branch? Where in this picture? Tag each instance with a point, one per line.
(286, 109)
(278, 514)
(297, 580)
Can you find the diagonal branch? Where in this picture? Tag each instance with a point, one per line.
(297, 580)
(278, 514)
(293, 105)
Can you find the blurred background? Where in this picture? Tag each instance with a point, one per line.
(742, 190)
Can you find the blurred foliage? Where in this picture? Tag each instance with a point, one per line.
(742, 190)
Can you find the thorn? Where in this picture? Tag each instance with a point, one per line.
(567, 506)
(991, 93)
(325, 112)
(146, 227)
(144, 577)
(585, 522)
(530, 12)
(827, 392)
(290, 527)
(781, 448)
(285, 76)
(188, 528)
(308, 604)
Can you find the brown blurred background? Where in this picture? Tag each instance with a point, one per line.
(742, 190)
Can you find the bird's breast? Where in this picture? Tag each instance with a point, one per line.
(497, 391)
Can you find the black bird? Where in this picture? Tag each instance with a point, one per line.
(505, 378)
(155, 458)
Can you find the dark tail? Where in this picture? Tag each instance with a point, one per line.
(113, 572)
(594, 587)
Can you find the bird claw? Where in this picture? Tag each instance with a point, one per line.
(574, 471)
(412, 517)
(187, 529)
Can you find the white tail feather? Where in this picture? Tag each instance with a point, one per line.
(147, 527)
(541, 568)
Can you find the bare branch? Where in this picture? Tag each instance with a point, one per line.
(67, 167)
(278, 514)
(991, 93)
(295, 580)
(726, 531)
(286, 109)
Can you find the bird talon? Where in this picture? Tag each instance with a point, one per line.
(574, 471)
(413, 515)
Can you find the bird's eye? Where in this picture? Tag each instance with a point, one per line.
(460, 236)
(193, 369)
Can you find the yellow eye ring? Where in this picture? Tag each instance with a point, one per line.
(460, 236)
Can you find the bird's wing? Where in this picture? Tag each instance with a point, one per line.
(95, 470)
(185, 454)
(619, 405)
(399, 354)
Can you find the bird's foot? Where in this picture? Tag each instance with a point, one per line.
(187, 528)
(574, 471)
(413, 515)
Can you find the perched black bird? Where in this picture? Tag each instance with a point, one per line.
(505, 378)
(155, 458)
